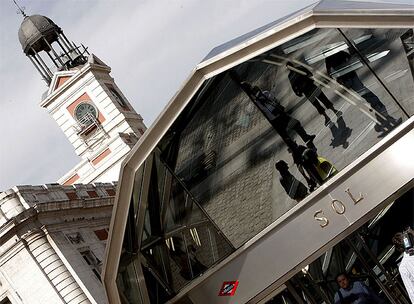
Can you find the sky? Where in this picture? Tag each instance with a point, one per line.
(151, 45)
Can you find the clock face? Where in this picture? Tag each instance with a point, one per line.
(85, 112)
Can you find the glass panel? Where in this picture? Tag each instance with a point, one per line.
(179, 240)
(157, 292)
(257, 139)
(389, 53)
(127, 278)
(127, 282)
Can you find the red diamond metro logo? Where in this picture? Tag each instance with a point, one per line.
(228, 288)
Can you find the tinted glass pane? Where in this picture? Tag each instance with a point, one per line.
(127, 278)
(390, 53)
(180, 242)
(127, 281)
(257, 139)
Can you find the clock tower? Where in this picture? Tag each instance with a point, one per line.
(83, 99)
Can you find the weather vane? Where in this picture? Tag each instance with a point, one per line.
(20, 10)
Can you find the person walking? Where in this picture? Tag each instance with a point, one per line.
(275, 113)
(301, 82)
(293, 187)
(350, 80)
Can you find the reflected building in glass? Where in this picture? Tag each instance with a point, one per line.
(283, 143)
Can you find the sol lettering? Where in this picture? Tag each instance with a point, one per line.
(337, 206)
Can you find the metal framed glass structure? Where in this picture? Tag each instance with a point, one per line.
(267, 130)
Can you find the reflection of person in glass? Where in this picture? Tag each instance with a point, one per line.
(275, 113)
(314, 168)
(404, 243)
(302, 84)
(186, 259)
(354, 292)
(293, 187)
(350, 80)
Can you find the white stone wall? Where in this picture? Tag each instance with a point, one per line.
(105, 171)
(39, 262)
(93, 79)
(26, 279)
(71, 253)
(114, 120)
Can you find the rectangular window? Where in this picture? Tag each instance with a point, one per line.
(102, 234)
(92, 194)
(75, 238)
(93, 262)
(72, 195)
(110, 192)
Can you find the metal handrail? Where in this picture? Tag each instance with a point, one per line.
(85, 123)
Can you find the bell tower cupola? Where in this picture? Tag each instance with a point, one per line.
(47, 47)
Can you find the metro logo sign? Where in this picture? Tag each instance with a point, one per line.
(228, 288)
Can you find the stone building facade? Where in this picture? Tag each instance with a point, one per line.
(52, 242)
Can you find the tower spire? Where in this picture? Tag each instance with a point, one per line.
(20, 9)
(47, 46)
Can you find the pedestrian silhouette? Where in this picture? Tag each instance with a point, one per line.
(302, 84)
(275, 113)
(340, 133)
(293, 187)
(337, 63)
(297, 153)
(315, 169)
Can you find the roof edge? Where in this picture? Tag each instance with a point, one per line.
(321, 8)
